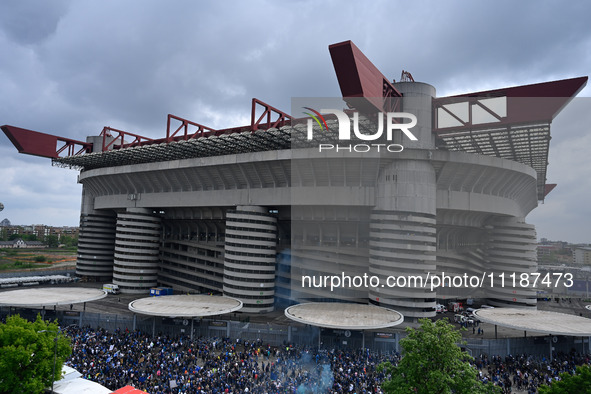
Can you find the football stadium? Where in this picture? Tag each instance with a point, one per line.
(291, 209)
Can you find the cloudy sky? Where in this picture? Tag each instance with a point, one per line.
(72, 67)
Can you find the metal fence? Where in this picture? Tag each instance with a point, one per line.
(278, 335)
(540, 346)
(58, 271)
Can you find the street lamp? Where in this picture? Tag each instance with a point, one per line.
(54, 355)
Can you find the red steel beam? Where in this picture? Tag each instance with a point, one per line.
(120, 138)
(201, 131)
(548, 187)
(539, 102)
(359, 77)
(268, 112)
(44, 145)
(561, 88)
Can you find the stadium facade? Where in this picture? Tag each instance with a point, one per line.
(250, 211)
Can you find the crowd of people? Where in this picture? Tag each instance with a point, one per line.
(166, 365)
(214, 365)
(526, 374)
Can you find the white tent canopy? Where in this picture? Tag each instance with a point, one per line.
(73, 383)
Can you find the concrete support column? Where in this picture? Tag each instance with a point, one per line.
(363, 340)
(96, 241)
(512, 251)
(417, 100)
(402, 228)
(137, 246)
(249, 258)
(403, 237)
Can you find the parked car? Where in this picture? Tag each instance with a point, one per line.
(460, 318)
(440, 308)
(470, 312)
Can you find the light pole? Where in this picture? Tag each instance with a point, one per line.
(54, 359)
(54, 355)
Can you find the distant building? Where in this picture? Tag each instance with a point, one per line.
(582, 256)
(64, 231)
(547, 248)
(20, 243)
(41, 231)
(544, 250)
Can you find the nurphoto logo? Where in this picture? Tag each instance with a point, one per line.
(345, 121)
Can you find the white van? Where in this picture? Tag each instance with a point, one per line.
(111, 288)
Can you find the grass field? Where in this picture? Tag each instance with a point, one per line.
(31, 259)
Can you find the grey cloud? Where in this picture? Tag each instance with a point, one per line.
(30, 22)
(73, 67)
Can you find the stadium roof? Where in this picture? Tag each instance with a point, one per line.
(244, 142)
(510, 123)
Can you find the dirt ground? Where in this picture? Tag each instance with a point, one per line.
(15, 260)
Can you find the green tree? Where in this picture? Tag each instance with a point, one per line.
(68, 241)
(580, 382)
(27, 352)
(432, 362)
(52, 241)
(24, 237)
